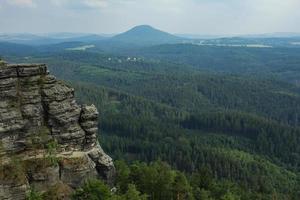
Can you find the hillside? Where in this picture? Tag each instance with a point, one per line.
(232, 130)
(138, 129)
(49, 39)
(280, 62)
(146, 35)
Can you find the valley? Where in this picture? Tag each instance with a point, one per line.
(228, 115)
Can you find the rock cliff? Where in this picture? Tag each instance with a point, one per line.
(47, 140)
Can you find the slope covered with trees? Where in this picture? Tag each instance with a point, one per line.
(230, 135)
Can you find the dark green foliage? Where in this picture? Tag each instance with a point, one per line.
(272, 138)
(181, 86)
(181, 187)
(33, 195)
(132, 194)
(279, 62)
(230, 132)
(157, 180)
(92, 190)
(51, 149)
(146, 130)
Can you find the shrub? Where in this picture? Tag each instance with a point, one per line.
(92, 190)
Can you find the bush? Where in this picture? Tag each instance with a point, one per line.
(92, 190)
(33, 195)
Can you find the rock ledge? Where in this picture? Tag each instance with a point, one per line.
(46, 138)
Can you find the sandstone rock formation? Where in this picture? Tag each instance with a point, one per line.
(46, 138)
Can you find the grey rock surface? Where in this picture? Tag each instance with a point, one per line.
(44, 130)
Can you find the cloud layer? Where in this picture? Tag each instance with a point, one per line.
(26, 3)
(80, 4)
(180, 16)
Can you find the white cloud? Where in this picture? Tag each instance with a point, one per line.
(26, 3)
(177, 16)
(95, 3)
(81, 4)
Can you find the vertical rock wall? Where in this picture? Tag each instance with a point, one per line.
(45, 134)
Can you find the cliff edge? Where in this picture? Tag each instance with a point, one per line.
(47, 140)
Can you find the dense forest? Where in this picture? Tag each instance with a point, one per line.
(190, 122)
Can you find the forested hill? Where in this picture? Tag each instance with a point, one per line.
(231, 135)
(280, 62)
(145, 35)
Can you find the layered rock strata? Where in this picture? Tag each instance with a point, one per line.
(46, 138)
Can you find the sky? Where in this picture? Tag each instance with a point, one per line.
(175, 16)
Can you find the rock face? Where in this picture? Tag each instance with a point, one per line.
(46, 138)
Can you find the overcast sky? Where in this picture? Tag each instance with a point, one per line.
(175, 16)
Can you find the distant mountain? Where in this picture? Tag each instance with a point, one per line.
(49, 39)
(146, 35)
(86, 38)
(64, 35)
(200, 36)
(68, 35)
(8, 48)
(273, 35)
(77, 37)
(25, 38)
(265, 35)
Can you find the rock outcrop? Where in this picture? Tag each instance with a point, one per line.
(46, 138)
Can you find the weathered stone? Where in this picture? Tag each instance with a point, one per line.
(7, 71)
(36, 109)
(57, 92)
(43, 178)
(89, 123)
(89, 112)
(104, 164)
(13, 143)
(13, 191)
(76, 170)
(8, 88)
(25, 70)
(33, 112)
